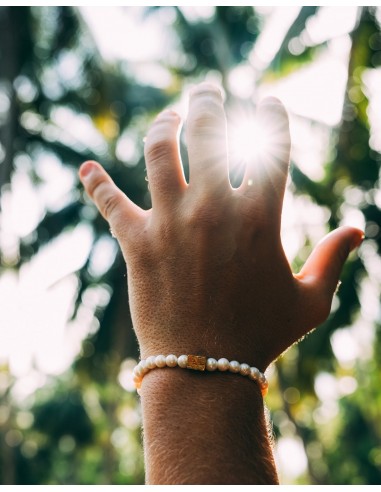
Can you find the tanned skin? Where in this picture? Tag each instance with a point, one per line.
(207, 275)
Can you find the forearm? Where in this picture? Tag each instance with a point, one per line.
(204, 429)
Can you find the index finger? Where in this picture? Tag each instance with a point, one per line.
(207, 140)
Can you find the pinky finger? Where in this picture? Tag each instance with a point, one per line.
(112, 203)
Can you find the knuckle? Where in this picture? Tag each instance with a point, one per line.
(94, 185)
(165, 227)
(204, 216)
(158, 146)
(201, 121)
(254, 215)
(110, 205)
(206, 111)
(106, 198)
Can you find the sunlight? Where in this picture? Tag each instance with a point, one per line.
(249, 140)
(131, 34)
(290, 457)
(259, 139)
(37, 302)
(270, 39)
(125, 377)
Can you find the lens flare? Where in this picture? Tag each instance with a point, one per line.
(249, 140)
(259, 141)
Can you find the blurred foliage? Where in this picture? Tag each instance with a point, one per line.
(83, 427)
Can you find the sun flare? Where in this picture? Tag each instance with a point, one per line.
(249, 140)
(258, 139)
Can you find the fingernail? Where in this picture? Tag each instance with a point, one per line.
(357, 240)
(270, 101)
(167, 112)
(86, 169)
(271, 104)
(206, 87)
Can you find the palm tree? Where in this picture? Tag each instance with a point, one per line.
(81, 415)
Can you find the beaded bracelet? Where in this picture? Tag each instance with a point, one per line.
(198, 363)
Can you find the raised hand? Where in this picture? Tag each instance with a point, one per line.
(206, 269)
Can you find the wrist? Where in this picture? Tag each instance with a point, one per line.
(178, 331)
(168, 380)
(216, 424)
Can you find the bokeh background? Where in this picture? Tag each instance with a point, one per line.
(80, 83)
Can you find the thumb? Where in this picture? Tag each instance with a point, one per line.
(324, 265)
(111, 202)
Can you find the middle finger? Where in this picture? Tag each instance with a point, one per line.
(207, 140)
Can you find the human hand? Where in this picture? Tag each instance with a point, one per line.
(207, 273)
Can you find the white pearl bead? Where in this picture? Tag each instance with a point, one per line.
(138, 371)
(245, 369)
(264, 385)
(262, 379)
(223, 364)
(234, 366)
(182, 361)
(160, 361)
(151, 362)
(211, 364)
(171, 360)
(143, 367)
(254, 373)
